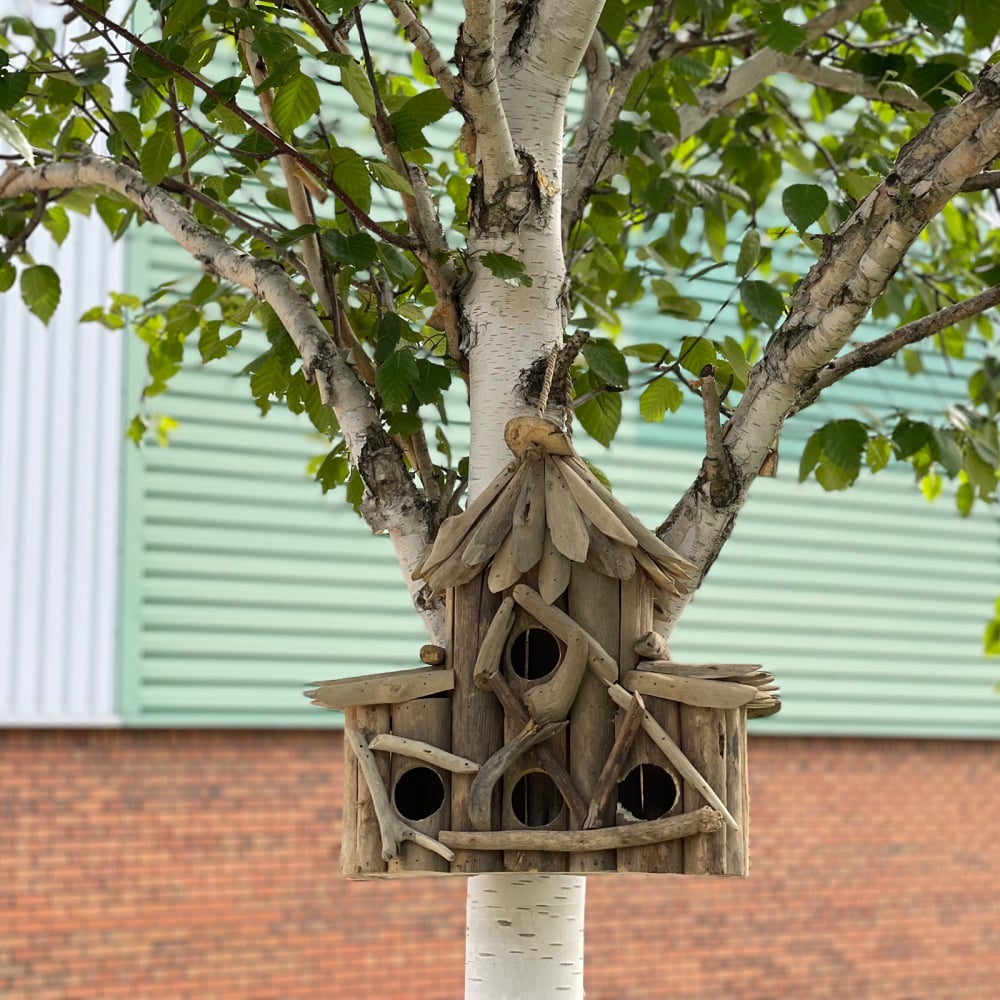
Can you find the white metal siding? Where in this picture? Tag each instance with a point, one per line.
(60, 445)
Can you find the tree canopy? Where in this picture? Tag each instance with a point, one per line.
(358, 154)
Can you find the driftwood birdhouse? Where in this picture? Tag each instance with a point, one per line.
(554, 733)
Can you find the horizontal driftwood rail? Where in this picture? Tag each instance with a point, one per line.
(655, 831)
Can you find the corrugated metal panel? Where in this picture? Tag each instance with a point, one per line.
(244, 584)
(60, 438)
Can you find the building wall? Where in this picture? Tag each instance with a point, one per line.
(159, 863)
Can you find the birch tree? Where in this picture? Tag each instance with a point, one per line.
(422, 204)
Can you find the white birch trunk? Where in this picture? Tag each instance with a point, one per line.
(525, 932)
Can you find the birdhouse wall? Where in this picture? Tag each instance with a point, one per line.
(703, 740)
(361, 847)
(530, 799)
(420, 792)
(607, 609)
(477, 718)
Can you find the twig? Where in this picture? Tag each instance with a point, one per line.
(394, 830)
(481, 792)
(988, 180)
(871, 354)
(420, 38)
(426, 752)
(718, 467)
(615, 764)
(654, 831)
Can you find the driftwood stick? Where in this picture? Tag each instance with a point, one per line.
(383, 689)
(655, 831)
(394, 830)
(561, 625)
(433, 656)
(481, 793)
(425, 752)
(706, 670)
(612, 770)
(491, 649)
(653, 646)
(554, 767)
(552, 700)
(690, 690)
(674, 754)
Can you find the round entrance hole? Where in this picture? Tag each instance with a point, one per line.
(647, 792)
(419, 793)
(536, 800)
(534, 653)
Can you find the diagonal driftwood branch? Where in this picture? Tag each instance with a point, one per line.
(854, 269)
(394, 830)
(874, 353)
(394, 504)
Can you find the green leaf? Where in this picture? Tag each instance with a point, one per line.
(732, 350)
(388, 331)
(804, 204)
(844, 443)
(389, 178)
(506, 268)
(211, 346)
(40, 290)
(156, 153)
(295, 102)
(332, 470)
(136, 431)
(396, 378)
(910, 436)
(8, 275)
(13, 86)
(811, 454)
(696, 353)
(832, 477)
(763, 301)
(777, 33)
(356, 249)
(269, 378)
(606, 362)
(600, 416)
(749, 253)
(938, 15)
(658, 398)
(56, 221)
(648, 354)
(424, 108)
(877, 453)
(946, 451)
(351, 175)
(11, 133)
(355, 82)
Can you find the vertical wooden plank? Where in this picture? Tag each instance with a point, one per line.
(595, 602)
(703, 740)
(637, 620)
(737, 842)
(476, 716)
(349, 822)
(371, 720)
(427, 719)
(538, 803)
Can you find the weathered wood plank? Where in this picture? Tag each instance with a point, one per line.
(384, 689)
(689, 690)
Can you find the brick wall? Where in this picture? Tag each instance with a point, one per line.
(178, 864)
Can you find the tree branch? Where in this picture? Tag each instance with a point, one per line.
(393, 502)
(307, 165)
(876, 351)
(855, 267)
(988, 180)
(479, 96)
(715, 97)
(420, 38)
(846, 82)
(580, 181)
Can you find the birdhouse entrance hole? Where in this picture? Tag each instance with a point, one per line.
(419, 793)
(536, 800)
(534, 653)
(647, 792)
